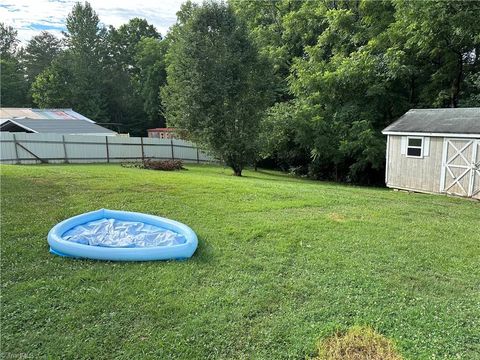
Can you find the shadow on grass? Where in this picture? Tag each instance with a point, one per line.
(204, 253)
(268, 175)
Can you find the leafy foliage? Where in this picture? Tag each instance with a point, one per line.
(53, 86)
(125, 102)
(39, 53)
(217, 85)
(352, 68)
(152, 76)
(12, 84)
(165, 165)
(99, 73)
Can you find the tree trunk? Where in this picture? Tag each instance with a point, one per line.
(237, 171)
(455, 89)
(412, 90)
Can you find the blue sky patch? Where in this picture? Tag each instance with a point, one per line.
(30, 17)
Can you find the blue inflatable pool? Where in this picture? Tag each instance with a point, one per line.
(122, 236)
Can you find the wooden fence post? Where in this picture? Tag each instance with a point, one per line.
(106, 144)
(43, 161)
(64, 149)
(198, 157)
(143, 151)
(171, 144)
(16, 150)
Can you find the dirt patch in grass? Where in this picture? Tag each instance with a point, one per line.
(358, 343)
(336, 217)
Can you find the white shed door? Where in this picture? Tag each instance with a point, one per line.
(461, 167)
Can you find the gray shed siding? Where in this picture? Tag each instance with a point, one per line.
(425, 174)
(416, 174)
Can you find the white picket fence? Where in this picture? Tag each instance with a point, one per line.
(23, 148)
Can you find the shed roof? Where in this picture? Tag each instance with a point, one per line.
(161, 129)
(13, 113)
(56, 126)
(439, 121)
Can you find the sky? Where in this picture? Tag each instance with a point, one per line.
(30, 17)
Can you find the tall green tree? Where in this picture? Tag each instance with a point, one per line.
(150, 60)
(79, 72)
(353, 67)
(444, 37)
(125, 101)
(124, 41)
(54, 86)
(8, 41)
(347, 92)
(282, 29)
(217, 86)
(85, 40)
(39, 53)
(13, 87)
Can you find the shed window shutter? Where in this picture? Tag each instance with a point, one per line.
(426, 146)
(403, 145)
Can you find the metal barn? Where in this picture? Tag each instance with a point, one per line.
(49, 121)
(435, 151)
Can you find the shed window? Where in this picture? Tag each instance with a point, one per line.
(415, 146)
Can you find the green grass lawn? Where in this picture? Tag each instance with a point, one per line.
(281, 263)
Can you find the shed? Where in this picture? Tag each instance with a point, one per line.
(162, 133)
(435, 151)
(52, 121)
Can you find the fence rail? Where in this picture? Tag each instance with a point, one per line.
(23, 148)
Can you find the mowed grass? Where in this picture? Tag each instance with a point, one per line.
(281, 263)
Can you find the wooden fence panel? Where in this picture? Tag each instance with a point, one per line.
(123, 149)
(158, 148)
(7, 148)
(85, 148)
(23, 148)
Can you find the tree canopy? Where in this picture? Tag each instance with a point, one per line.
(100, 72)
(347, 69)
(13, 89)
(217, 85)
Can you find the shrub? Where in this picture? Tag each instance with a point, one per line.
(358, 343)
(133, 164)
(166, 165)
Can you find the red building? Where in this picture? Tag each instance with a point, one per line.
(162, 133)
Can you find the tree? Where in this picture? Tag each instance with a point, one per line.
(217, 85)
(53, 86)
(125, 101)
(13, 87)
(279, 139)
(125, 40)
(282, 29)
(8, 41)
(444, 36)
(150, 60)
(85, 41)
(39, 53)
(346, 91)
(353, 67)
(77, 79)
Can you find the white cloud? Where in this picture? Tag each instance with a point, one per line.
(29, 17)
